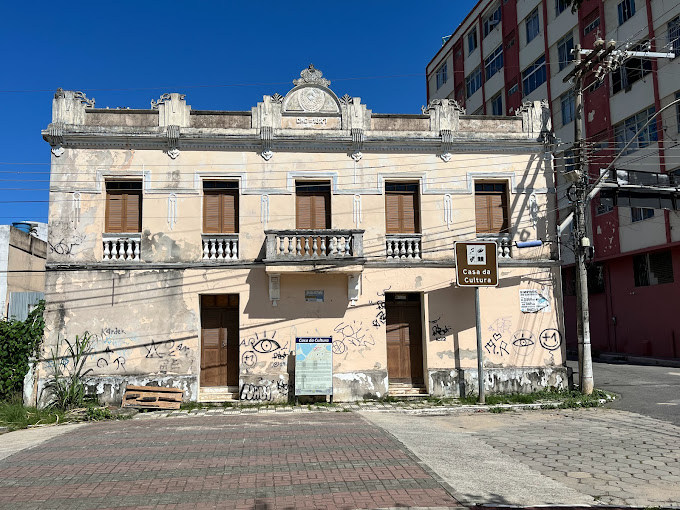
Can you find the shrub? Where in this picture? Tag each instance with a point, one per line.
(65, 386)
(19, 341)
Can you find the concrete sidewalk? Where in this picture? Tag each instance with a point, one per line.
(588, 456)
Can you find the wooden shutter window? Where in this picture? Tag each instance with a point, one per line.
(312, 205)
(491, 208)
(123, 211)
(401, 208)
(220, 212)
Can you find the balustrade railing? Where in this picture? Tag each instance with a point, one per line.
(504, 250)
(305, 244)
(220, 247)
(403, 246)
(122, 246)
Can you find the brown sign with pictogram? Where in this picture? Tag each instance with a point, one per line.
(477, 264)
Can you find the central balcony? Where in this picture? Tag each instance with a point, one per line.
(326, 250)
(310, 245)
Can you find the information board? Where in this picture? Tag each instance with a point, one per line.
(476, 264)
(314, 366)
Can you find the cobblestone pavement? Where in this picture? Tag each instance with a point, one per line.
(615, 457)
(314, 460)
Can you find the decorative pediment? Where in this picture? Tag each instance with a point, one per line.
(311, 95)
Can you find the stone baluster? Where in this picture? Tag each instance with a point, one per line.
(128, 252)
(315, 247)
(334, 246)
(282, 242)
(136, 250)
(322, 252)
(389, 248)
(416, 249)
(213, 248)
(347, 246)
(220, 250)
(298, 246)
(206, 251)
(409, 249)
(307, 246)
(107, 250)
(114, 246)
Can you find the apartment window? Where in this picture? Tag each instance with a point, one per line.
(491, 21)
(640, 214)
(472, 40)
(677, 112)
(497, 105)
(632, 70)
(674, 35)
(220, 207)
(564, 47)
(569, 160)
(491, 207)
(123, 207)
(628, 130)
(532, 25)
(312, 205)
(591, 22)
(603, 208)
(473, 82)
(533, 76)
(402, 212)
(595, 278)
(567, 101)
(653, 268)
(494, 62)
(626, 10)
(442, 75)
(513, 87)
(560, 6)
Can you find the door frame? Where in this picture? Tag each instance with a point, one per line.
(423, 332)
(201, 295)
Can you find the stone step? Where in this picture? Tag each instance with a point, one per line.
(218, 394)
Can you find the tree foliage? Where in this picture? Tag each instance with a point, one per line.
(19, 341)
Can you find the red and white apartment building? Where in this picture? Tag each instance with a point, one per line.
(506, 52)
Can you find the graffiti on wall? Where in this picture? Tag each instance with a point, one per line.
(501, 325)
(109, 358)
(550, 339)
(265, 346)
(381, 315)
(265, 390)
(438, 330)
(351, 333)
(496, 345)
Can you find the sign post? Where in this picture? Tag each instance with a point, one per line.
(314, 366)
(477, 266)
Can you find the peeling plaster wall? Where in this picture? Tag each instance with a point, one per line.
(146, 326)
(464, 382)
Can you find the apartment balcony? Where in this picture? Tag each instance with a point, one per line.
(334, 250)
(403, 246)
(122, 247)
(220, 247)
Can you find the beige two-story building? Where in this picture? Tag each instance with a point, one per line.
(203, 243)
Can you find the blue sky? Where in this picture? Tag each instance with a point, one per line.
(222, 55)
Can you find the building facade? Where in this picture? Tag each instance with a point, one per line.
(506, 52)
(204, 243)
(22, 266)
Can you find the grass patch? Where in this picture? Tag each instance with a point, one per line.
(566, 399)
(15, 416)
(499, 409)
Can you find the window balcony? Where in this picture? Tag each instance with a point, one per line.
(323, 245)
(403, 246)
(122, 247)
(220, 247)
(503, 242)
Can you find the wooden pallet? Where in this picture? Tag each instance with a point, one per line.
(152, 397)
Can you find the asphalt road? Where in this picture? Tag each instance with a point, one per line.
(648, 390)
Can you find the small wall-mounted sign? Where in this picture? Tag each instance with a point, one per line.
(314, 296)
(533, 301)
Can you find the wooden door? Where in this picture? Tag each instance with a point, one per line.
(404, 338)
(219, 340)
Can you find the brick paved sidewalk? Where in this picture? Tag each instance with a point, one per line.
(314, 460)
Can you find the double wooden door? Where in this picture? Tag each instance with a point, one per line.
(219, 340)
(404, 338)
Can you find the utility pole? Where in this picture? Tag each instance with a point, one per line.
(605, 58)
(579, 178)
